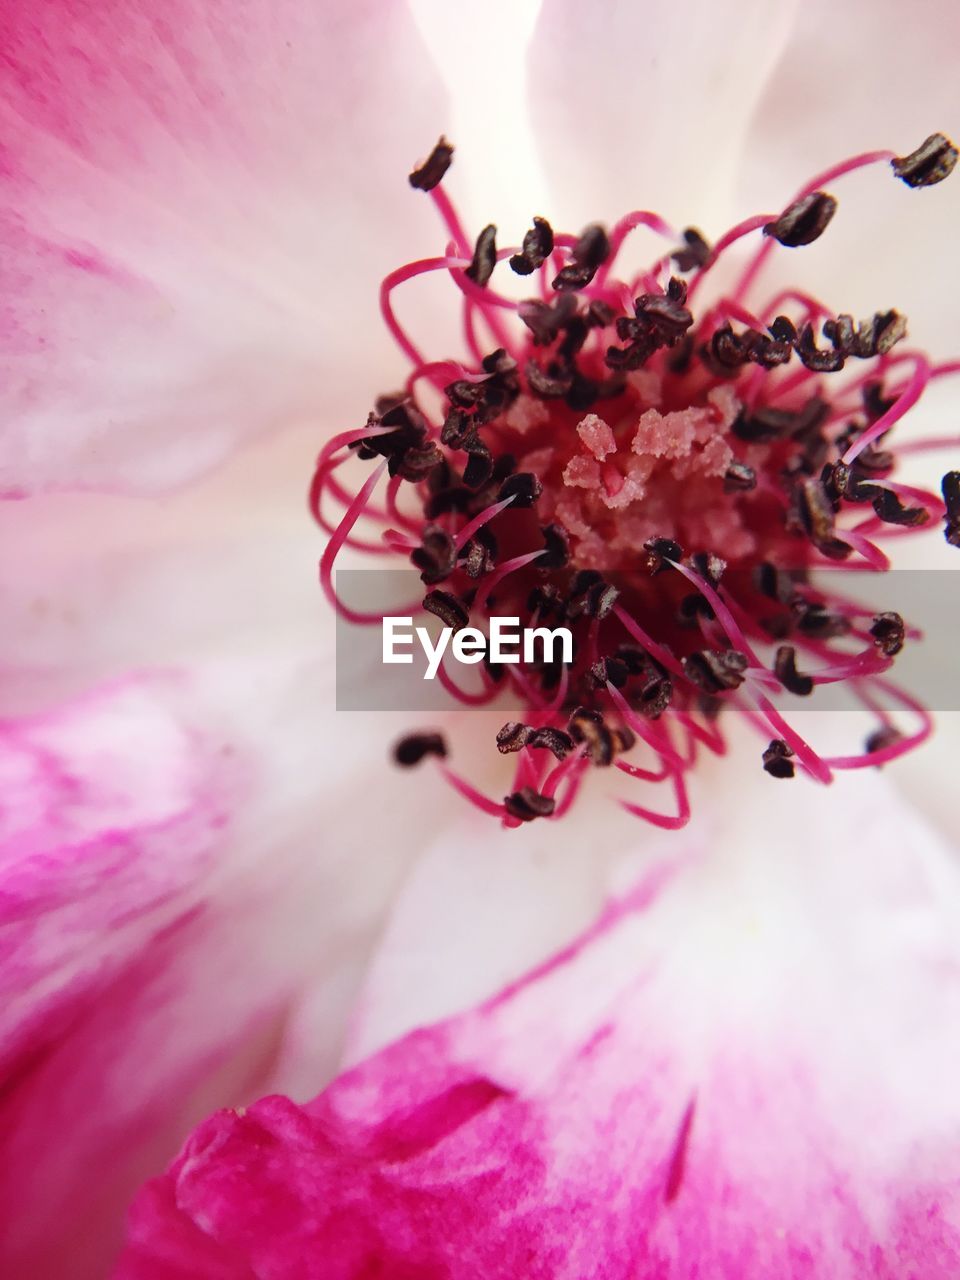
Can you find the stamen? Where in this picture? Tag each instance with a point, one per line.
(649, 474)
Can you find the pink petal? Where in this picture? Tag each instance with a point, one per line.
(743, 1070)
(197, 202)
(103, 863)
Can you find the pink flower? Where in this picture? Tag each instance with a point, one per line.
(515, 498)
(198, 853)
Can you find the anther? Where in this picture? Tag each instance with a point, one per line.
(777, 759)
(484, 256)
(590, 251)
(659, 552)
(803, 221)
(417, 746)
(537, 247)
(695, 253)
(449, 608)
(950, 488)
(514, 736)
(523, 487)
(527, 804)
(436, 557)
(714, 670)
(556, 544)
(891, 510)
(785, 666)
(887, 630)
(549, 739)
(430, 174)
(932, 161)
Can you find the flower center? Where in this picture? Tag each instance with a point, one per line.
(660, 473)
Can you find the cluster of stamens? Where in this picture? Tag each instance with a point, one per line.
(661, 478)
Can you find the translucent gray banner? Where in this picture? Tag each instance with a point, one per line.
(928, 667)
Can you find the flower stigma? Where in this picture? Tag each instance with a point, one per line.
(660, 474)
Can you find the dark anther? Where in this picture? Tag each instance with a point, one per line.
(523, 487)
(527, 804)
(665, 314)
(785, 666)
(784, 330)
(764, 425)
(417, 746)
(713, 670)
(882, 738)
(588, 253)
(599, 314)
(634, 658)
(413, 464)
(695, 253)
(660, 550)
(677, 290)
(464, 393)
(932, 161)
(888, 633)
(537, 247)
(549, 739)
(875, 402)
(841, 333)
(484, 256)
(587, 726)
(448, 608)
(499, 361)
(708, 566)
(476, 558)
(594, 600)
(556, 547)
(610, 669)
(885, 331)
(512, 737)
(429, 174)
(546, 600)
(478, 470)
(817, 359)
(654, 693)
(692, 607)
(730, 350)
(842, 481)
(436, 557)
(583, 394)
(891, 510)
(575, 335)
(739, 478)
(550, 386)
(869, 338)
(815, 619)
(777, 759)
(950, 488)
(775, 584)
(803, 221)
(545, 320)
(815, 513)
(455, 427)
(410, 430)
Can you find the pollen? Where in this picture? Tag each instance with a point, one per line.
(662, 465)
